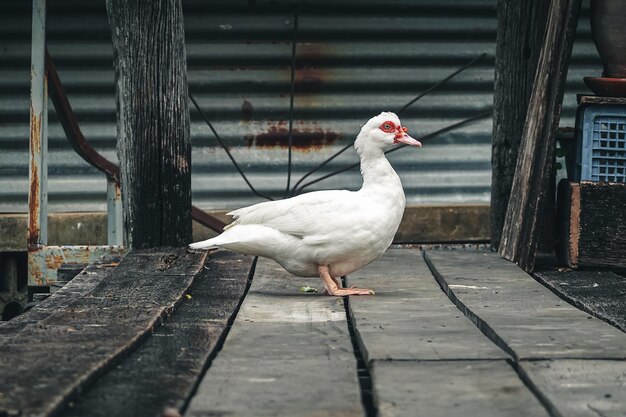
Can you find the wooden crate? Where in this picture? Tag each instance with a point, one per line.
(592, 224)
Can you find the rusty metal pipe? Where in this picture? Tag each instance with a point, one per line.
(38, 139)
(79, 143)
(74, 135)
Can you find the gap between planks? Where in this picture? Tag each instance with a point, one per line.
(425, 356)
(592, 358)
(287, 354)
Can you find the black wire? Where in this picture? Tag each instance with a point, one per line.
(317, 168)
(219, 139)
(440, 83)
(291, 98)
(428, 136)
(295, 190)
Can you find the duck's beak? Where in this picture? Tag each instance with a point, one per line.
(406, 139)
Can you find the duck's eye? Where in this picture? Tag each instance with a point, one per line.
(387, 127)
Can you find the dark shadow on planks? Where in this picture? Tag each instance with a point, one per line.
(601, 293)
(163, 371)
(56, 351)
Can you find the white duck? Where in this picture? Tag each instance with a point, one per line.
(329, 233)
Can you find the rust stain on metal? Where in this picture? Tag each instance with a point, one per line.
(303, 139)
(35, 148)
(35, 274)
(308, 76)
(54, 261)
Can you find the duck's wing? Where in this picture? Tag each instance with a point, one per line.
(304, 215)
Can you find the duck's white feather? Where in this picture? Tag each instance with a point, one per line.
(342, 229)
(298, 216)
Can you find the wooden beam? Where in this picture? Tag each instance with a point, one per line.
(518, 313)
(163, 371)
(100, 322)
(521, 27)
(592, 224)
(452, 389)
(423, 353)
(412, 299)
(580, 388)
(535, 163)
(287, 354)
(420, 224)
(154, 145)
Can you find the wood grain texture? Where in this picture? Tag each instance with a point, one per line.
(154, 145)
(46, 363)
(163, 371)
(452, 388)
(426, 358)
(592, 224)
(568, 223)
(601, 293)
(535, 163)
(521, 26)
(84, 282)
(519, 314)
(287, 354)
(583, 99)
(602, 238)
(581, 388)
(411, 318)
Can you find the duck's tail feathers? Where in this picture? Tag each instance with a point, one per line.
(230, 236)
(205, 244)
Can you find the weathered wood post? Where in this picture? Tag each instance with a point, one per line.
(521, 26)
(535, 164)
(152, 121)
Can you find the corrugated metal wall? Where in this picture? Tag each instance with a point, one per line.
(354, 59)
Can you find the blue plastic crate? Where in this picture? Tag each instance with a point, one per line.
(601, 146)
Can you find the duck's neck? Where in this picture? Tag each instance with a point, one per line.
(377, 171)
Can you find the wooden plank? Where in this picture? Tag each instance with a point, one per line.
(72, 346)
(584, 99)
(521, 26)
(519, 314)
(411, 318)
(287, 354)
(452, 388)
(80, 285)
(425, 356)
(601, 293)
(581, 388)
(534, 170)
(163, 371)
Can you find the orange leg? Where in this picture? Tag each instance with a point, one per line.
(333, 285)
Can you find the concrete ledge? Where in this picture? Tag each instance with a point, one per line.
(421, 224)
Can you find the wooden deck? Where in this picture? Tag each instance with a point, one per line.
(449, 333)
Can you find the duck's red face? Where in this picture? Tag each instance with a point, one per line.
(400, 135)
